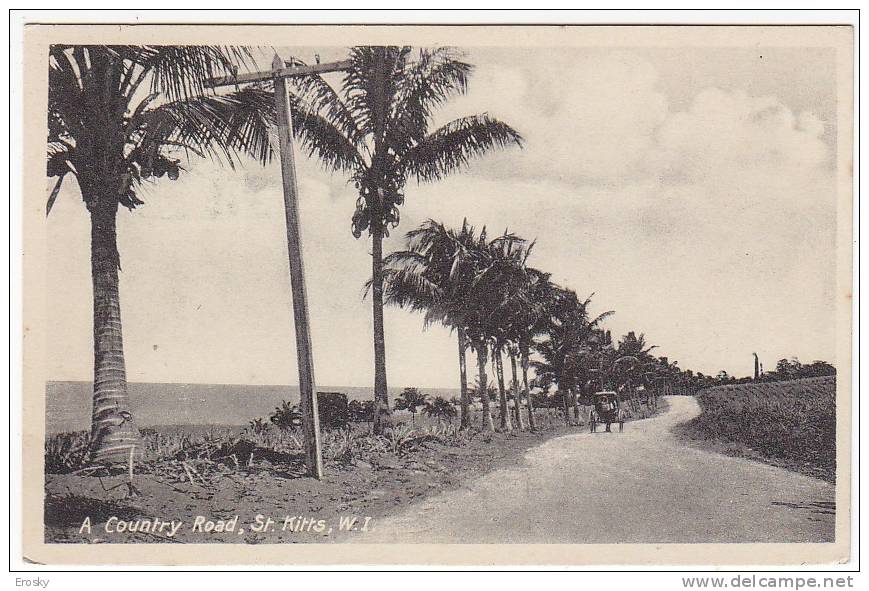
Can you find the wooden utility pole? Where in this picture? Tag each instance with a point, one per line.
(304, 353)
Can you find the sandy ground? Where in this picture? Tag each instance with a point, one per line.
(640, 486)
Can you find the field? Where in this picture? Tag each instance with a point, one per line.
(790, 424)
(189, 471)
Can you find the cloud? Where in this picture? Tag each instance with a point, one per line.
(726, 133)
(589, 117)
(601, 118)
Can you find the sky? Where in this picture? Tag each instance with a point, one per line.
(691, 190)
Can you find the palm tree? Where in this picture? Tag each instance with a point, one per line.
(467, 282)
(495, 290)
(631, 362)
(572, 345)
(498, 345)
(411, 399)
(505, 282)
(117, 118)
(378, 131)
(432, 276)
(436, 275)
(515, 388)
(527, 322)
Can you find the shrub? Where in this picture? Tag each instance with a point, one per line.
(334, 410)
(361, 412)
(286, 416)
(258, 426)
(411, 400)
(440, 409)
(66, 452)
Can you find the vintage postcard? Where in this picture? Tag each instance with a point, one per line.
(471, 295)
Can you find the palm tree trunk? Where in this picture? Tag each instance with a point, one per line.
(520, 424)
(465, 421)
(504, 412)
(381, 396)
(482, 353)
(564, 395)
(114, 436)
(574, 399)
(532, 423)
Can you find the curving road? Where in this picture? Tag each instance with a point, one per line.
(640, 486)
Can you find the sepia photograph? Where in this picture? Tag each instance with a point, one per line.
(490, 294)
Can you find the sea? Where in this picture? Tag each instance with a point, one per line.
(68, 404)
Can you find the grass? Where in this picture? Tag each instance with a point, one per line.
(790, 424)
(236, 446)
(190, 448)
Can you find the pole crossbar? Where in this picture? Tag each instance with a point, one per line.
(287, 72)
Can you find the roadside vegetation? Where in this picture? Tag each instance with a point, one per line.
(791, 423)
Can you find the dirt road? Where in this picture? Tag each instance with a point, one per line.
(640, 486)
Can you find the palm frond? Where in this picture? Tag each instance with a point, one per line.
(52, 197)
(450, 148)
(319, 137)
(221, 126)
(369, 84)
(428, 82)
(183, 71)
(322, 99)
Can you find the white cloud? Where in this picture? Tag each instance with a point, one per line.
(728, 133)
(588, 118)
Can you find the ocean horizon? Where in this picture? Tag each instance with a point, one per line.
(68, 403)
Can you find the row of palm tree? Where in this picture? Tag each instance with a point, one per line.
(484, 290)
(123, 116)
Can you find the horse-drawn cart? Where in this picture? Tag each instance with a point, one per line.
(606, 409)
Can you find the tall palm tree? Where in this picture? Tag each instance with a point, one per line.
(432, 275)
(571, 346)
(529, 319)
(464, 281)
(379, 132)
(120, 117)
(515, 303)
(632, 360)
(498, 290)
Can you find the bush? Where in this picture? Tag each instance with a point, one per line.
(334, 410)
(440, 409)
(361, 412)
(286, 416)
(66, 452)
